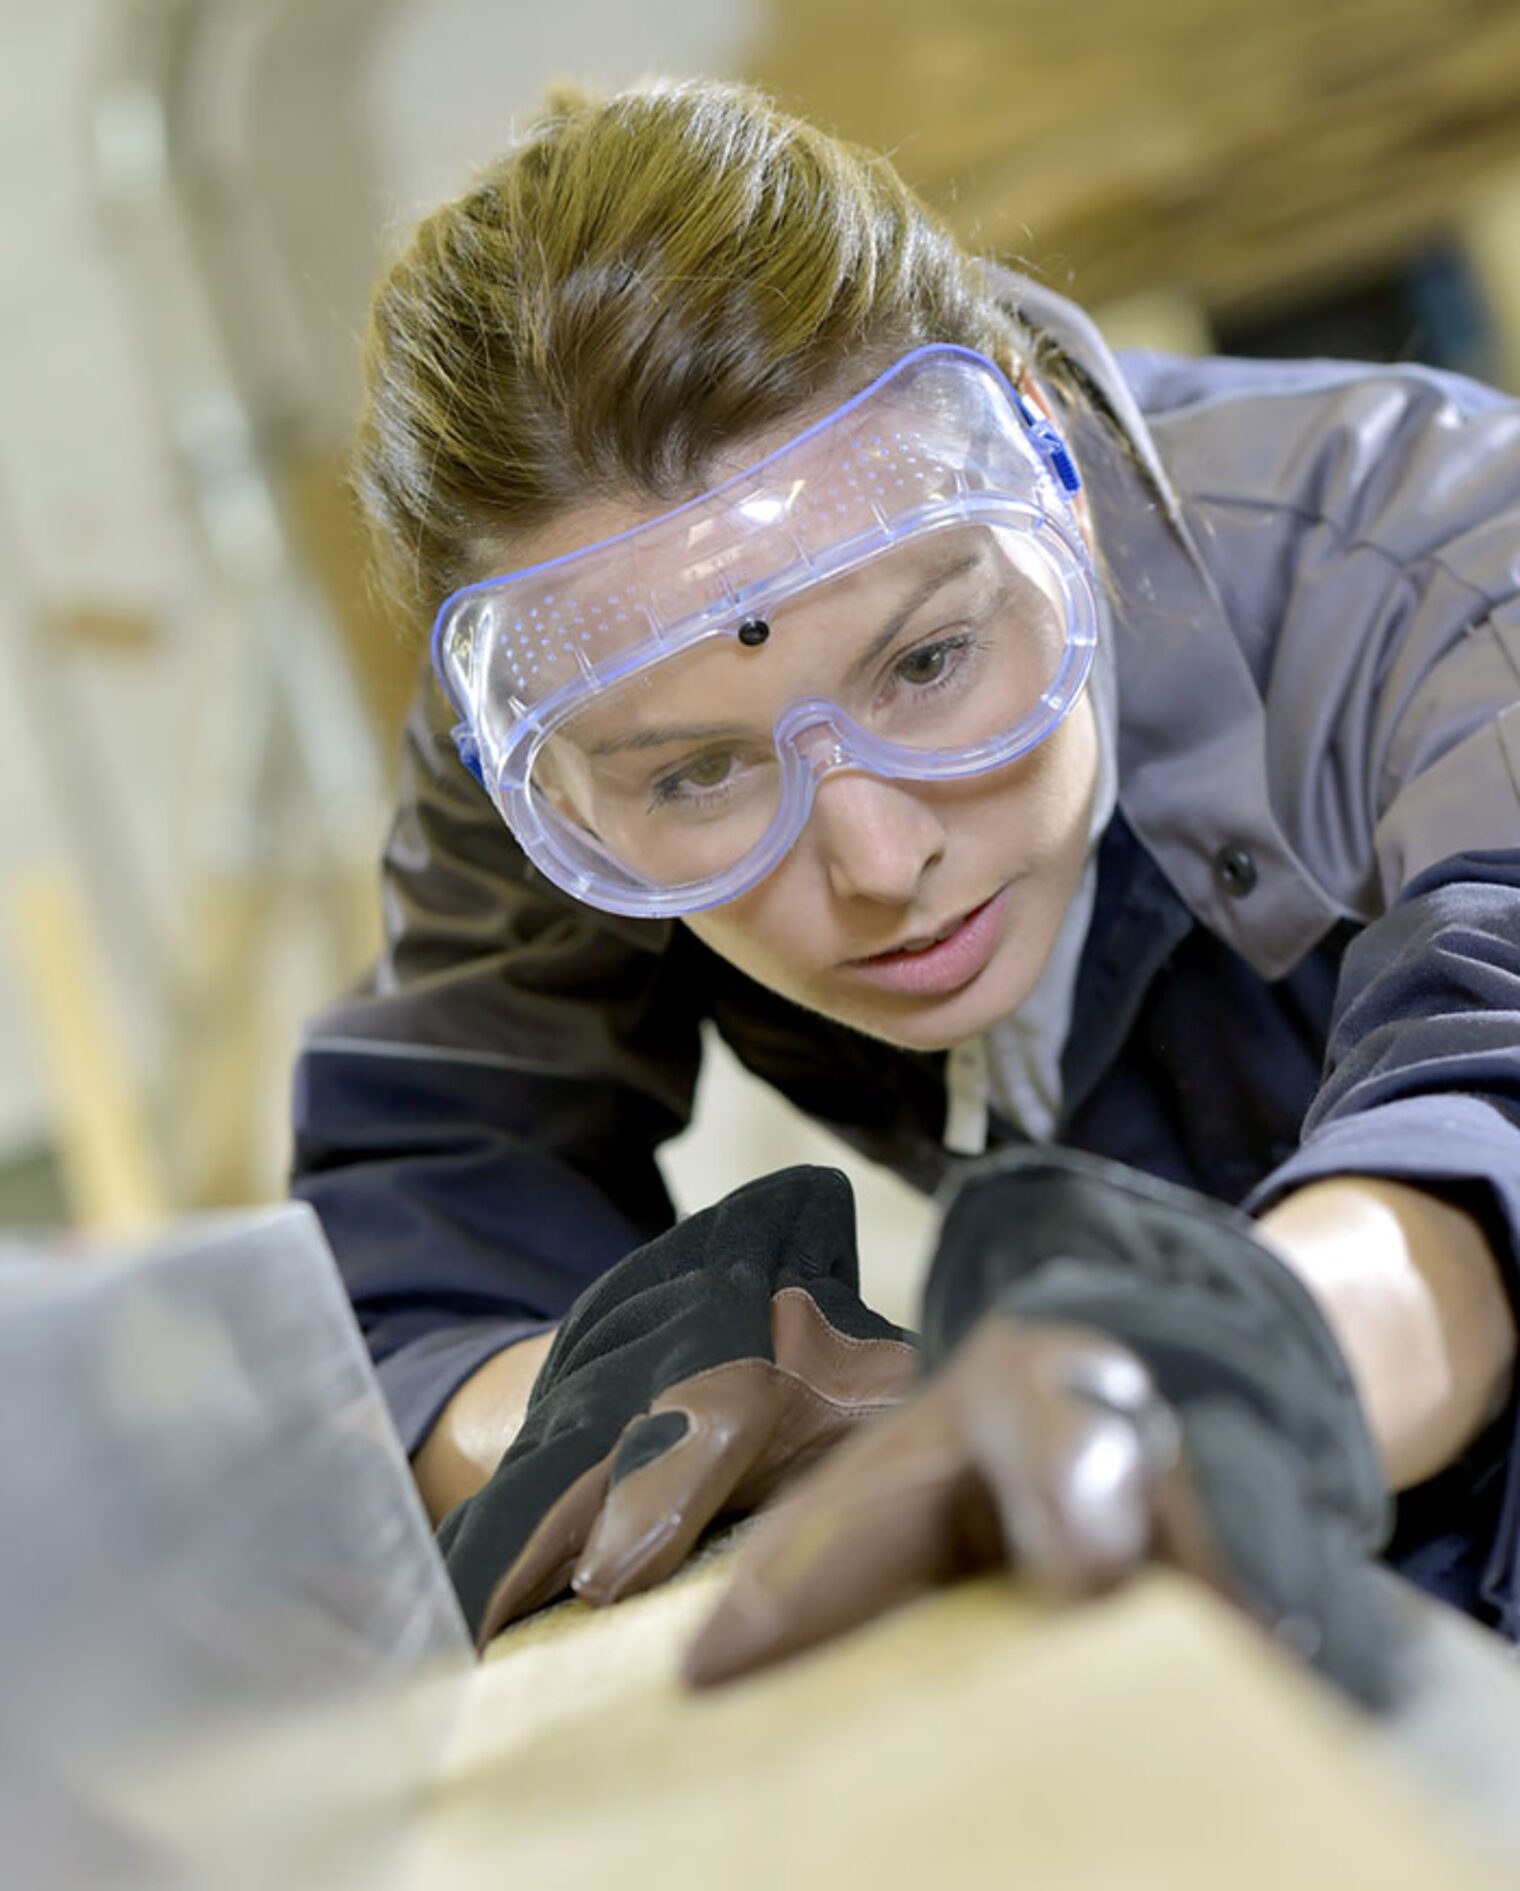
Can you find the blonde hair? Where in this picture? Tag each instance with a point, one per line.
(644, 280)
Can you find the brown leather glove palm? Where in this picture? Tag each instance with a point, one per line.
(689, 1381)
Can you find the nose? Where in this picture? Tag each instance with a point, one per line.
(877, 838)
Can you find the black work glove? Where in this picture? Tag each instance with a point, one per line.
(1272, 1429)
(690, 1380)
(1118, 1371)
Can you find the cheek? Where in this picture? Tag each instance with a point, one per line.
(1062, 781)
(754, 933)
(1036, 812)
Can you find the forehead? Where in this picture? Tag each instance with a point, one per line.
(579, 527)
(574, 530)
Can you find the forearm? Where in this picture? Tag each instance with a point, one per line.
(476, 1426)
(1412, 1292)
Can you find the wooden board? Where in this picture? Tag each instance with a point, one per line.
(1146, 1744)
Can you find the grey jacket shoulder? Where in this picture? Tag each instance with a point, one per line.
(1314, 570)
(1362, 527)
(1166, 383)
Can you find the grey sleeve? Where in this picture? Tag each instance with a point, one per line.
(1423, 1086)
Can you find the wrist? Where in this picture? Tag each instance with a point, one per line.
(1409, 1286)
(475, 1428)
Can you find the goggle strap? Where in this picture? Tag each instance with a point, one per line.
(1049, 445)
(469, 750)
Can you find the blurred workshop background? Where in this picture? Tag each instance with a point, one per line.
(199, 700)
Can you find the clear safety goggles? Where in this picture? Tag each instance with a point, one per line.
(902, 589)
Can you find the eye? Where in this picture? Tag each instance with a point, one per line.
(701, 774)
(925, 664)
(707, 771)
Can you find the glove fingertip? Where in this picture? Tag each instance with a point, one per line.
(1362, 1641)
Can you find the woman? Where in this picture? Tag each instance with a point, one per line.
(1005, 746)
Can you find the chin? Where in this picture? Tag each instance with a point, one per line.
(909, 1034)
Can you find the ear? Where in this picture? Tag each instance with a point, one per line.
(1021, 379)
(1032, 391)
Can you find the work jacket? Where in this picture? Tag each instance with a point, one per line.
(1303, 958)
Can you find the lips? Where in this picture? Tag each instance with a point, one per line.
(929, 940)
(933, 963)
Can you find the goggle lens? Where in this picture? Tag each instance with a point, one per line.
(930, 651)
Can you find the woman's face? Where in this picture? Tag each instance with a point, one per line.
(916, 912)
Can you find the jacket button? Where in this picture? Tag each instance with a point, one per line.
(1235, 871)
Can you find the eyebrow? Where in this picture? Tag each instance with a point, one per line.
(656, 738)
(885, 638)
(707, 732)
